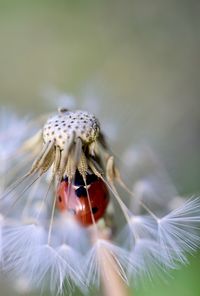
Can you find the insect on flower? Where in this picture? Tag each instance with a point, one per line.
(75, 151)
(71, 238)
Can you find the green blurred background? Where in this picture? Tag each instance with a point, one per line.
(138, 62)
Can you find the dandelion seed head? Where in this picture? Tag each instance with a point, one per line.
(45, 247)
(61, 127)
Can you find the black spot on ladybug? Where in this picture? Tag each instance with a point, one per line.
(81, 192)
(78, 180)
(59, 198)
(91, 178)
(94, 210)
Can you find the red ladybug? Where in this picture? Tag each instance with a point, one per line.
(74, 198)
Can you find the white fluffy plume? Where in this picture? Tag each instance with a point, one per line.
(102, 255)
(178, 232)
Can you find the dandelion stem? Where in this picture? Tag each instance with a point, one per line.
(111, 281)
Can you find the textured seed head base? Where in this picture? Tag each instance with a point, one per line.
(60, 127)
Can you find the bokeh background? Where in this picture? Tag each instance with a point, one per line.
(134, 63)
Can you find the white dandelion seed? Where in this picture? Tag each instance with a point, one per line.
(148, 260)
(66, 229)
(179, 231)
(102, 255)
(18, 242)
(54, 269)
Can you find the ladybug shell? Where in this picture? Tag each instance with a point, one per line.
(74, 199)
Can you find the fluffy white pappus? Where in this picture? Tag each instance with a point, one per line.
(103, 259)
(54, 270)
(18, 243)
(67, 230)
(143, 226)
(139, 227)
(159, 244)
(178, 231)
(26, 254)
(147, 260)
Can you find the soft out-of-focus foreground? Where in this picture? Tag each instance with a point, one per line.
(134, 63)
